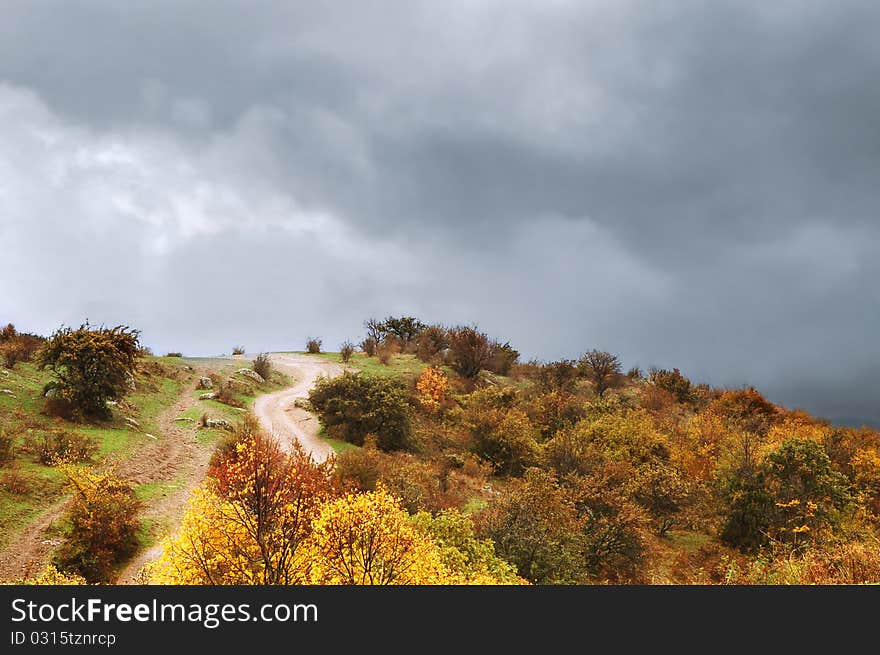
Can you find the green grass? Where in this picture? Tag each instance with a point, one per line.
(20, 416)
(398, 366)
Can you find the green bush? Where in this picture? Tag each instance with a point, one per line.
(92, 366)
(352, 406)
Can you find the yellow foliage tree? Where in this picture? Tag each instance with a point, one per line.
(368, 539)
(432, 387)
(249, 524)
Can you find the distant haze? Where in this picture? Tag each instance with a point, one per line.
(688, 184)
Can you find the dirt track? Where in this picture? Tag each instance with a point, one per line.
(278, 414)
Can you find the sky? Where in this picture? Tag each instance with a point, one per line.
(685, 184)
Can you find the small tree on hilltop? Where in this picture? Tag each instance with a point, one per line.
(405, 328)
(471, 351)
(92, 365)
(601, 369)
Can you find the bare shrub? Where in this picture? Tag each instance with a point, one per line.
(313, 345)
(263, 366)
(238, 350)
(15, 482)
(601, 368)
(432, 341)
(59, 446)
(346, 350)
(470, 349)
(6, 448)
(369, 345)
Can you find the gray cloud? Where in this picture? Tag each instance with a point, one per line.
(686, 184)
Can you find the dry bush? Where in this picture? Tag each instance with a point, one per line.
(51, 448)
(369, 346)
(313, 346)
(470, 349)
(103, 525)
(431, 342)
(6, 448)
(226, 394)
(15, 482)
(263, 366)
(346, 350)
(238, 350)
(389, 347)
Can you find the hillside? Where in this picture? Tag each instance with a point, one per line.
(445, 453)
(153, 439)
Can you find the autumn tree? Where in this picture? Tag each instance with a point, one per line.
(471, 351)
(352, 406)
(368, 539)
(103, 524)
(431, 342)
(808, 494)
(405, 328)
(432, 388)
(248, 523)
(535, 527)
(92, 366)
(468, 559)
(601, 368)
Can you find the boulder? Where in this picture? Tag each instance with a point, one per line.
(221, 423)
(304, 403)
(205, 383)
(208, 396)
(253, 375)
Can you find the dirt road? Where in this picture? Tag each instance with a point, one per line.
(278, 414)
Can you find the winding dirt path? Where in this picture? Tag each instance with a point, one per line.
(278, 414)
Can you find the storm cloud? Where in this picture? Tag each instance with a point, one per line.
(686, 184)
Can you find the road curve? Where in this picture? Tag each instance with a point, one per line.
(279, 416)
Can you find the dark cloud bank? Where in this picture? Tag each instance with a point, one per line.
(687, 184)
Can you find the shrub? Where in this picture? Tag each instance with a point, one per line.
(503, 357)
(375, 331)
(635, 373)
(58, 447)
(313, 346)
(352, 406)
(405, 328)
(673, 382)
(601, 369)
(226, 394)
(15, 482)
(808, 495)
(432, 388)
(92, 366)
(470, 350)
(432, 341)
(6, 448)
(238, 350)
(558, 376)
(8, 332)
(505, 439)
(368, 345)
(174, 355)
(535, 527)
(359, 468)
(387, 349)
(346, 350)
(103, 525)
(263, 366)
(18, 346)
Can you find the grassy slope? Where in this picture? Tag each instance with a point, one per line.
(20, 416)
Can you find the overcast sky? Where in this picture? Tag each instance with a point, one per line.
(690, 184)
